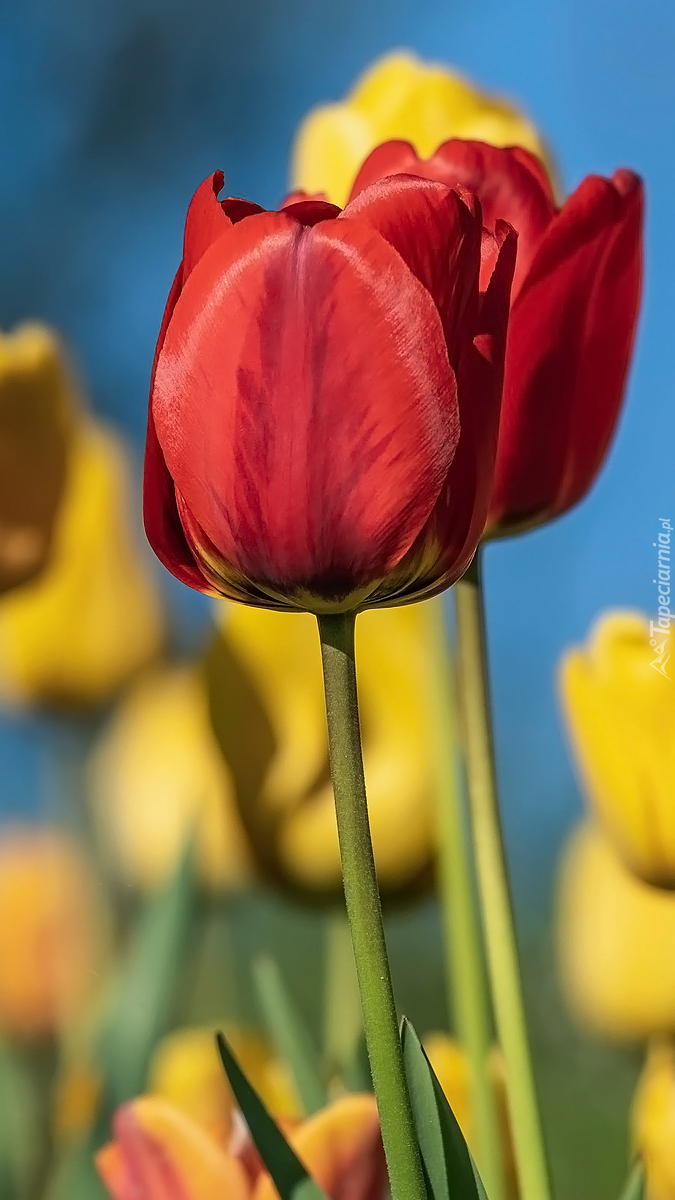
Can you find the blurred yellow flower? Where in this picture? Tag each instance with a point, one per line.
(266, 692)
(614, 936)
(620, 714)
(157, 775)
(451, 1066)
(653, 1120)
(49, 931)
(93, 617)
(399, 97)
(37, 403)
(186, 1069)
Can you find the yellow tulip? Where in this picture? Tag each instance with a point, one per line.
(653, 1120)
(49, 931)
(614, 939)
(399, 97)
(157, 775)
(266, 688)
(37, 403)
(620, 714)
(92, 618)
(186, 1070)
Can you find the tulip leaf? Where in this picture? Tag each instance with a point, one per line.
(141, 1011)
(282, 1163)
(288, 1033)
(448, 1166)
(635, 1184)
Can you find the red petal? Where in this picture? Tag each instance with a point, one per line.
(511, 184)
(305, 404)
(205, 222)
(311, 209)
(237, 209)
(569, 344)
(297, 197)
(438, 238)
(449, 539)
(160, 515)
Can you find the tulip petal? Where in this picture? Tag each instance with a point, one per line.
(569, 344)
(439, 239)
(205, 222)
(448, 541)
(511, 185)
(311, 443)
(160, 1154)
(160, 514)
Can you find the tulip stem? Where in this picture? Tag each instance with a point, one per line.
(464, 953)
(496, 904)
(364, 911)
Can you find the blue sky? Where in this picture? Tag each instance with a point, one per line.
(111, 115)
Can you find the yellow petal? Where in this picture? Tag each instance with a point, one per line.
(159, 1152)
(157, 776)
(93, 616)
(399, 96)
(653, 1120)
(612, 933)
(620, 714)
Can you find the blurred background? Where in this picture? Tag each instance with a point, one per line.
(110, 116)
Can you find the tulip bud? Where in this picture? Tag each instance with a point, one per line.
(620, 713)
(268, 710)
(187, 1071)
(93, 617)
(37, 402)
(612, 930)
(399, 97)
(157, 776)
(159, 1153)
(48, 931)
(653, 1120)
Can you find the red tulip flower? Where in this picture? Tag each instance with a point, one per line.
(574, 305)
(325, 396)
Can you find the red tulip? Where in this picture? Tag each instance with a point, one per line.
(574, 305)
(325, 397)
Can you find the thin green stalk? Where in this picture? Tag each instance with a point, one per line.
(465, 968)
(494, 890)
(363, 909)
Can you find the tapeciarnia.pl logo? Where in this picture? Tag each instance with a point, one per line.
(659, 630)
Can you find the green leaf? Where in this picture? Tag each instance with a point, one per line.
(449, 1169)
(635, 1184)
(283, 1165)
(141, 1011)
(288, 1033)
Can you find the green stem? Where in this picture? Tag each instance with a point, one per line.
(363, 909)
(494, 890)
(465, 968)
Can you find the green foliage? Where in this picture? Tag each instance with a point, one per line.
(448, 1166)
(635, 1184)
(289, 1034)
